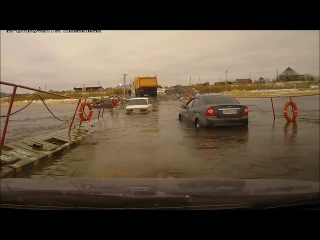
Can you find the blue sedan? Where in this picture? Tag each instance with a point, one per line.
(214, 110)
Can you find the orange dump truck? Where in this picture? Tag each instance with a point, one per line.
(145, 86)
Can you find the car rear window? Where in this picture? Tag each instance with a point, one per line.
(219, 100)
(138, 102)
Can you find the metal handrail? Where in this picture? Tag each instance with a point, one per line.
(15, 87)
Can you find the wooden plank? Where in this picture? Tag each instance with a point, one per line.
(24, 150)
(9, 158)
(46, 146)
(25, 154)
(61, 137)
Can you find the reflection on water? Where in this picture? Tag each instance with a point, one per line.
(222, 138)
(290, 131)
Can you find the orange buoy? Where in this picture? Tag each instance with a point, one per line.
(295, 111)
(114, 102)
(81, 111)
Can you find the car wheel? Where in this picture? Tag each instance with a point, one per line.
(197, 123)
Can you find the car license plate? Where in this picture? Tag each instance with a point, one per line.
(230, 111)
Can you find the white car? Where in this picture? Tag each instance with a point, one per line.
(141, 104)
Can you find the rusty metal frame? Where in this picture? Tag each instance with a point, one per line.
(15, 87)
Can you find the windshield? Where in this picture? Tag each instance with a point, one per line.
(219, 100)
(138, 102)
(69, 140)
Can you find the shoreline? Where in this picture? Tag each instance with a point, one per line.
(264, 93)
(268, 93)
(39, 102)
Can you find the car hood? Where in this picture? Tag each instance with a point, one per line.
(157, 193)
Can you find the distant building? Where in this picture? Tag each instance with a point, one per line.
(290, 75)
(260, 81)
(224, 83)
(88, 89)
(203, 84)
(243, 81)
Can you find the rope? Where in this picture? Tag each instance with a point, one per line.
(19, 109)
(51, 112)
(30, 103)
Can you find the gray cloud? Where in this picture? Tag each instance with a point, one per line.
(62, 61)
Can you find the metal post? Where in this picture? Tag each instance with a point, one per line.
(124, 84)
(292, 107)
(292, 110)
(100, 109)
(75, 112)
(7, 119)
(274, 116)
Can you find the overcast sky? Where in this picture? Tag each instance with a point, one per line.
(62, 61)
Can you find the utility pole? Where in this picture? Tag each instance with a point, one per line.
(226, 75)
(199, 79)
(124, 84)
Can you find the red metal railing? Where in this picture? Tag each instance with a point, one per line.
(290, 97)
(15, 87)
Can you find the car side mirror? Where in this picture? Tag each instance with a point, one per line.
(183, 106)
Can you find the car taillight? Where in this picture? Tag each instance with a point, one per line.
(245, 110)
(210, 111)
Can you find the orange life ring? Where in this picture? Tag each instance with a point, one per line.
(295, 111)
(81, 111)
(114, 102)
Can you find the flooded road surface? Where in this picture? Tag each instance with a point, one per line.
(158, 145)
